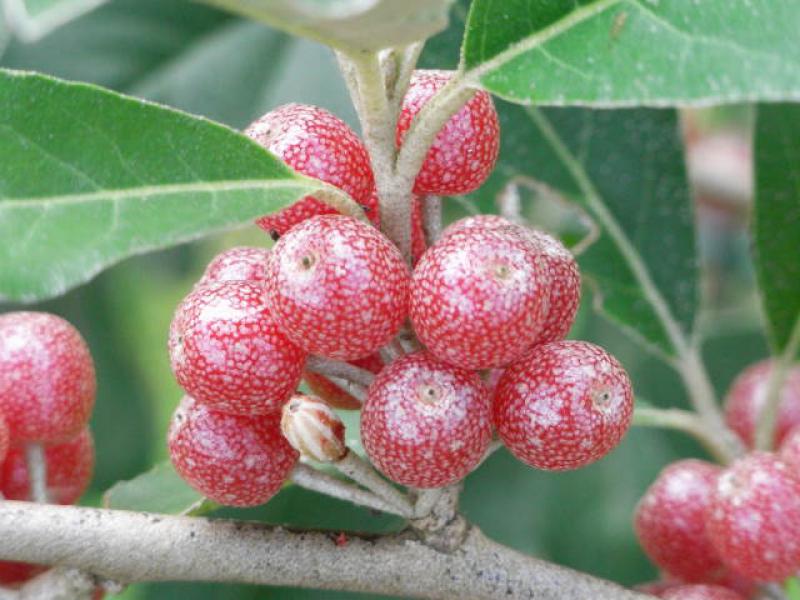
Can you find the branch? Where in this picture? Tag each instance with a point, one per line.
(145, 547)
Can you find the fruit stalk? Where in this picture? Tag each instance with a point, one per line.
(37, 472)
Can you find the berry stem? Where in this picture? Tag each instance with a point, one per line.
(432, 218)
(392, 351)
(37, 472)
(339, 369)
(765, 427)
(360, 471)
(407, 59)
(427, 499)
(317, 481)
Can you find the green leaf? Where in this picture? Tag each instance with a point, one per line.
(353, 24)
(90, 177)
(776, 219)
(159, 490)
(31, 20)
(634, 52)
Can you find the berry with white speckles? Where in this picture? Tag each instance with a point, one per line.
(227, 351)
(670, 521)
(316, 143)
(464, 152)
(790, 448)
(425, 423)
(479, 298)
(563, 405)
(234, 460)
(335, 395)
(699, 592)
(748, 394)
(753, 519)
(47, 379)
(337, 287)
(313, 429)
(243, 263)
(69, 470)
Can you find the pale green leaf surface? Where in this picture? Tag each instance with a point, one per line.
(31, 20)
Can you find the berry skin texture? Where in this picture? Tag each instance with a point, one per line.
(334, 395)
(748, 394)
(425, 423)
(319, 144)
(464, 152)
(227, 351)
(5, 440)
(16, 573)
(234, 460)
(479, 298)
(790, 448)
(337, 287)
(243, 263)
(563, 405)
(69, 470)
(313, 429)
(700, 592)
(753, 519)
(47, 379)
(670, 521)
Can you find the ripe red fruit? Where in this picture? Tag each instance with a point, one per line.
(234, 460)
(563, 405)
(337, 287)
(753, 519)
(748, 394)
(465, 149)
(790, 448)
(699, 592)
(47, 380)
(479, 298)
(16, 573)
(227, 351)
(69, 470)
(313, 429)
(670, 521)
(425, 423)
(5, 439)
(335, 395)
(418, 243)
(243, 263)
(318, 144)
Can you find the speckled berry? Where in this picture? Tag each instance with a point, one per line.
(563, 405)
(69, 470)
(464, 152)
(243, 263)
(425, 423)
(479, 222)
(333, 394)
(315, 143)
(747, 395)
(47, 379)
(418, 243)
(699, 592)
(16, 573)
(234, 460)
(5, 439)
(337, 287)
(479, 298)
(790, 448)
(753, 519)
(670, 521)
(227, 351)
(313, 429)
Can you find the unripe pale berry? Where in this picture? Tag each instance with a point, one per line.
(479, 298)
(47, 379)
(227, 351)
(425, 423)
(748, 394)
(464, 152)
(563, 405)
(313, 429)
(316, 143)
(69, 470)
(753, 519)
(670, 521)
(700, 592)
(333, 394)
(242, 263)
(234, 460)
(337, 287)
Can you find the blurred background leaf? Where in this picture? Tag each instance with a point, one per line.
(31, 20)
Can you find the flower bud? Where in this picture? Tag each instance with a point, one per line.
(313, 429)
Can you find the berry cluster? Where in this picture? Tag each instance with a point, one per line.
(738, 525)
(47, 391)
(491, 302)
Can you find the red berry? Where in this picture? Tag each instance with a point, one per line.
(234, 460)
(563, 405)
(753, 519)
(670, 521)
(699, 592)
(47, 380)
(243, 263)
(418, 243)
(335, 395)
(5, 439)
(465, 149)
(227, 351)
(479, 298)
(69, 470)
(747, 395)
(479, 222)
(337, 287)
(425, 423)
(790, 448)
(315, 143)
(313, 429)
(16, 573)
